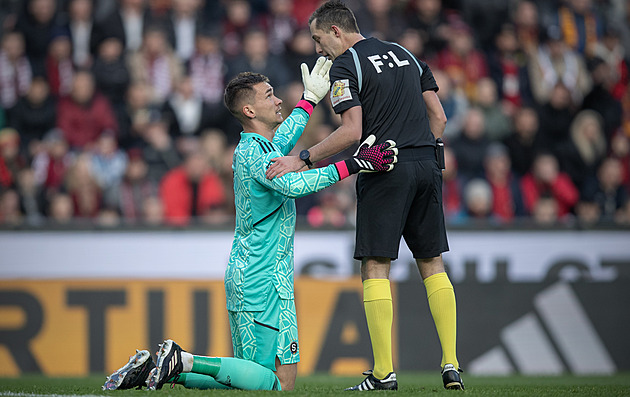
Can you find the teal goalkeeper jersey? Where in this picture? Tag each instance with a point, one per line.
(262, 251)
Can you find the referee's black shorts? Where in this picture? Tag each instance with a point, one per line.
(406, 201)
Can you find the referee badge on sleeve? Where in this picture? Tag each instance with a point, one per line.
(340, 92)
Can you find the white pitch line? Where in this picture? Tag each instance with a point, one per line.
(12, 394)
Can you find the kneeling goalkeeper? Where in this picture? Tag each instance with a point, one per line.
(259, 275)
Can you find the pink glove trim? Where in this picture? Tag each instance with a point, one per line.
(342, 169)
(306, 105)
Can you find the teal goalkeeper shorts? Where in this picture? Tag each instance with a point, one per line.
(262, 336)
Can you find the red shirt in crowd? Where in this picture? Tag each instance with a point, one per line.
(177, 195)
(562, 190)
(82, 124)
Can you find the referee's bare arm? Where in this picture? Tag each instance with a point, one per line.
(435, 111)
(348, 134)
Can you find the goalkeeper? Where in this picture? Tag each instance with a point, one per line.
(259, 275)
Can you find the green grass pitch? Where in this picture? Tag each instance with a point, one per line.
(428, 384)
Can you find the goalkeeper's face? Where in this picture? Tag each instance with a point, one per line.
(267, 106)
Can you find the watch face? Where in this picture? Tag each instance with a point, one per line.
(304, 155)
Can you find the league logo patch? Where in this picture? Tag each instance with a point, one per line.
(338, 87)
(340, 92)
(294, 347)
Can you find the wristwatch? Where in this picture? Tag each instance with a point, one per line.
(305, 156)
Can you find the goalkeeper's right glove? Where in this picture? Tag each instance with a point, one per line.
(316, 83)
(368, 158)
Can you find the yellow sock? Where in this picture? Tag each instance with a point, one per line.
(443, 309)
(377, 299)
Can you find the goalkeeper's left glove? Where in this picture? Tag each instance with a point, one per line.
(368, 158)
(316, 82)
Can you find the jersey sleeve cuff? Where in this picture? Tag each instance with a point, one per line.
(342, 169)
(308, 106)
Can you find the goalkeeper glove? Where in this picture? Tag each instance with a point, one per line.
(316, 83)
(368, 158)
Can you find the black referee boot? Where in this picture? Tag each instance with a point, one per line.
(451, 378)
(371, 383)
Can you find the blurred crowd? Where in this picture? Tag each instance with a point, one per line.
(111, 111)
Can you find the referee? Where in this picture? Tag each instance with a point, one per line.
(380, 88)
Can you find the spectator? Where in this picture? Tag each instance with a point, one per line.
(256, 58)
(507, 199)
(581, 155)
(428, 17)
(61, 209)
(620, 149)
(461, 60)
(303, 9)
(108, 167)
(620, 19)
(126, 23)
(107, 218)
(155, 65)
(111, 74)
(378, 18)
(10, 213)
(525, 141)
(526, 23)
(80, 24)
(135, 116)
(581, 26)
(452, 187)
(413, 40)
(300, 50)
(281, 25)
(36, 23)
(85, 113)
(135, 187)
(600, 98)
(470, 147)
(611, 50)
(192, 191)
(186, 20)
(486, 17)
(329, 211)
(455, 105)
(213, 145)
(237, 21)
(478, 201)
(556, 117)
(33, 116)
(207, 67)
(545, 180)
(8, 13)
(545, 212)
(11, 162)
(607, 192)
(59, 67)
(159, 152)
(506, 64)
(31, 197)
(497, 123)
(83, 188)
(52, 163)
(554, 63)
(186, 114)
(15, 70)
(152, 211)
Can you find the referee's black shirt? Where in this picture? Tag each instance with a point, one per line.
(388, 87)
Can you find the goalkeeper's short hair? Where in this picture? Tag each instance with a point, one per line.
(240, 89)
